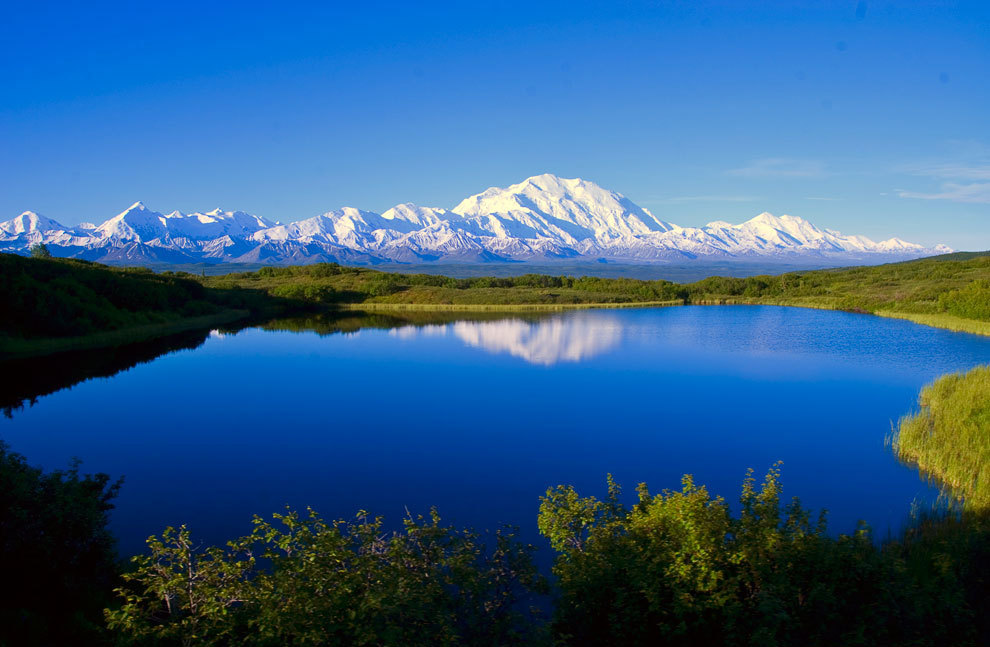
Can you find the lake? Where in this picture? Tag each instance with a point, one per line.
(479, 416)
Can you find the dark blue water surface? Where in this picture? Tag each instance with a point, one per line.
(480, 417)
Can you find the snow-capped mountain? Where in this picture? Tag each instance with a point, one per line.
(540, 219)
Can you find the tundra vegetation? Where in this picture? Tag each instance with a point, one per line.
(49, 299)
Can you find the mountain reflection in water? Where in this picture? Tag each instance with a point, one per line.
(546, 342)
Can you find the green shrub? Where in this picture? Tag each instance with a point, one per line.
(970, 302)
(332, 583)
(304, 292)
(57, 557)
(678, 568)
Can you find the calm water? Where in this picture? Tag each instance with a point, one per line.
(480, 417)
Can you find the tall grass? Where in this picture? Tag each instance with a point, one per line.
(942, 320)
(949, 438)
(501, 307)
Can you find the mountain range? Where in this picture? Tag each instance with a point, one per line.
(543, 218)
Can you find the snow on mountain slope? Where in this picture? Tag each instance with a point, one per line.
(565, 210)
(542, 218)
(28, 223)
(136, 223)
(215, 224)
(417, 216)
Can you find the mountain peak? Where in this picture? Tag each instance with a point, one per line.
(30, 222)
(136, 208)
(569, 210)
(765, 218)
(554, 184)
(552, 180)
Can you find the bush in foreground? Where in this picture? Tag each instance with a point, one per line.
(678, 568)
(57, 558)
(675, 568)
(300, 580)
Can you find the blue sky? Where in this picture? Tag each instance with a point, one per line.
(867, 117)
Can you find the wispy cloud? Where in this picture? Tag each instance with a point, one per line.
(780, 167)
(711, 198)
(954, 171)
(975, 192)
(963, 181)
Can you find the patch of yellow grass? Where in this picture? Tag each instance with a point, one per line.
(949, 322)
(500, 307)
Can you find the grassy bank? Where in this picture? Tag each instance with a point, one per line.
(949, 438)
(942, 320)
(503, 307)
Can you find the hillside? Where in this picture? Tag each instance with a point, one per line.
(51, 304)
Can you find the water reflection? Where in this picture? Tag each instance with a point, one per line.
(23, 381)
(548, 342)
(539, 339)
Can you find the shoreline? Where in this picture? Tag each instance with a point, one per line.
(941, 321)
(21, 349)
(501, 307)
(24, 348)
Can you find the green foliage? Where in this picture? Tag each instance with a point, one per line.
(382, 284)
(678, 569)
(971, 301)
(49, 298)
(949, 438)
(332, 583)
(180, 595)
(675, 568)
(296, 292)
(59, 297)
(39, 250)
(56, 555)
